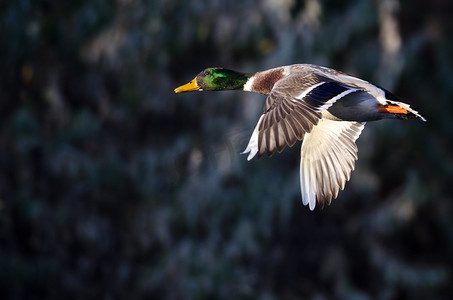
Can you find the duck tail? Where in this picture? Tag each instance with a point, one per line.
(410, 113)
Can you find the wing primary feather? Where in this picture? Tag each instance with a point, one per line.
(267, 140)
(277, 135)
(291, 132)
(296, 127)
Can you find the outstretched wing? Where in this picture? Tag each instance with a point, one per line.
(328, 155)
(292, 108)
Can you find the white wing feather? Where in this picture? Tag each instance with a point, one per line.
(328, 154)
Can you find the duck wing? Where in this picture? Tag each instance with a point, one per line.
(328, 155)
(291, 110)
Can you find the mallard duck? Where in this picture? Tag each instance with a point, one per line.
(325, 108)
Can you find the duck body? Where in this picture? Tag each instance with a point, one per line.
(325, 108)
(359, 98)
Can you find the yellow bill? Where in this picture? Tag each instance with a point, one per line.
(191, 86)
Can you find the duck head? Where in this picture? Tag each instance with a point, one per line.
(216, 79)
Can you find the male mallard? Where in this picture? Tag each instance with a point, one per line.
(324, 107)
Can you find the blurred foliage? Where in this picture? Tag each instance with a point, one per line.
(113, 187)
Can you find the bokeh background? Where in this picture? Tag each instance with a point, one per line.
(114, 187)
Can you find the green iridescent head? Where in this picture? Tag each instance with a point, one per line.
(215, 79)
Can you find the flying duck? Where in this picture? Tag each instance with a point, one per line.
(325, 108)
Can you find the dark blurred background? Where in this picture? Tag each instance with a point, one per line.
(114, 187)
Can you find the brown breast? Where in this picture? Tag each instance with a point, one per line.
(264, 81)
